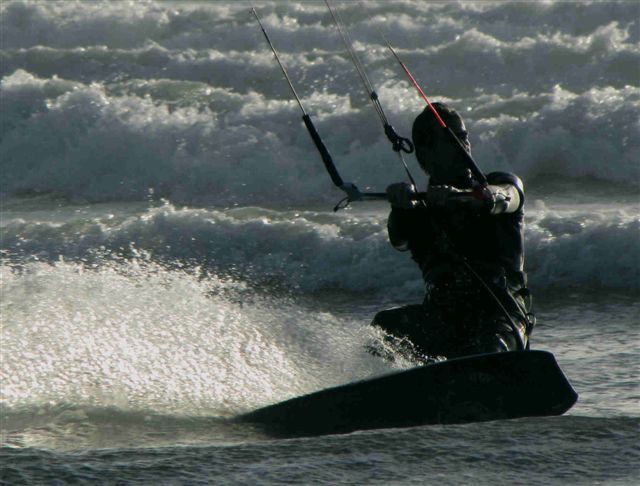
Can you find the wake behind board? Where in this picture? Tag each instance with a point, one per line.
(471, 389)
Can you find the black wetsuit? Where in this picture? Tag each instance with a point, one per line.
(459, 316)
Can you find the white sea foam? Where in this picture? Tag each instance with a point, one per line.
(102, 102)
(137, 337)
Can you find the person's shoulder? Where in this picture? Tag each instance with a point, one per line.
(508, 178)
(505, 178)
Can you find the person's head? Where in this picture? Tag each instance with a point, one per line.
(438, 154)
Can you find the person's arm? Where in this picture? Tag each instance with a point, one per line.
(494, 199)
(398, 227)
(503, 195)
(404, 214)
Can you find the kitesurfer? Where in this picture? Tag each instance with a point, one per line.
(468, 242)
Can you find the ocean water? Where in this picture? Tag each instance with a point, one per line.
(170, 257)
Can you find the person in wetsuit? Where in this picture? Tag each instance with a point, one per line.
(468, 244)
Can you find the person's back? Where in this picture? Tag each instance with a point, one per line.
(469, 246)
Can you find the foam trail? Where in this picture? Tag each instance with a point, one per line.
(137, 337)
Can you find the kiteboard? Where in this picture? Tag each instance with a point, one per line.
(470, 389)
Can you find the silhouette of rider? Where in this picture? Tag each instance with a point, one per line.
(468, 243)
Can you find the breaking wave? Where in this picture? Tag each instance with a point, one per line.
(191, 105)
(310, 251)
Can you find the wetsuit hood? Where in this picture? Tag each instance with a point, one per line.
(438, 154)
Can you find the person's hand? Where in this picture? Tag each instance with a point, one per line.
(401, 195)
